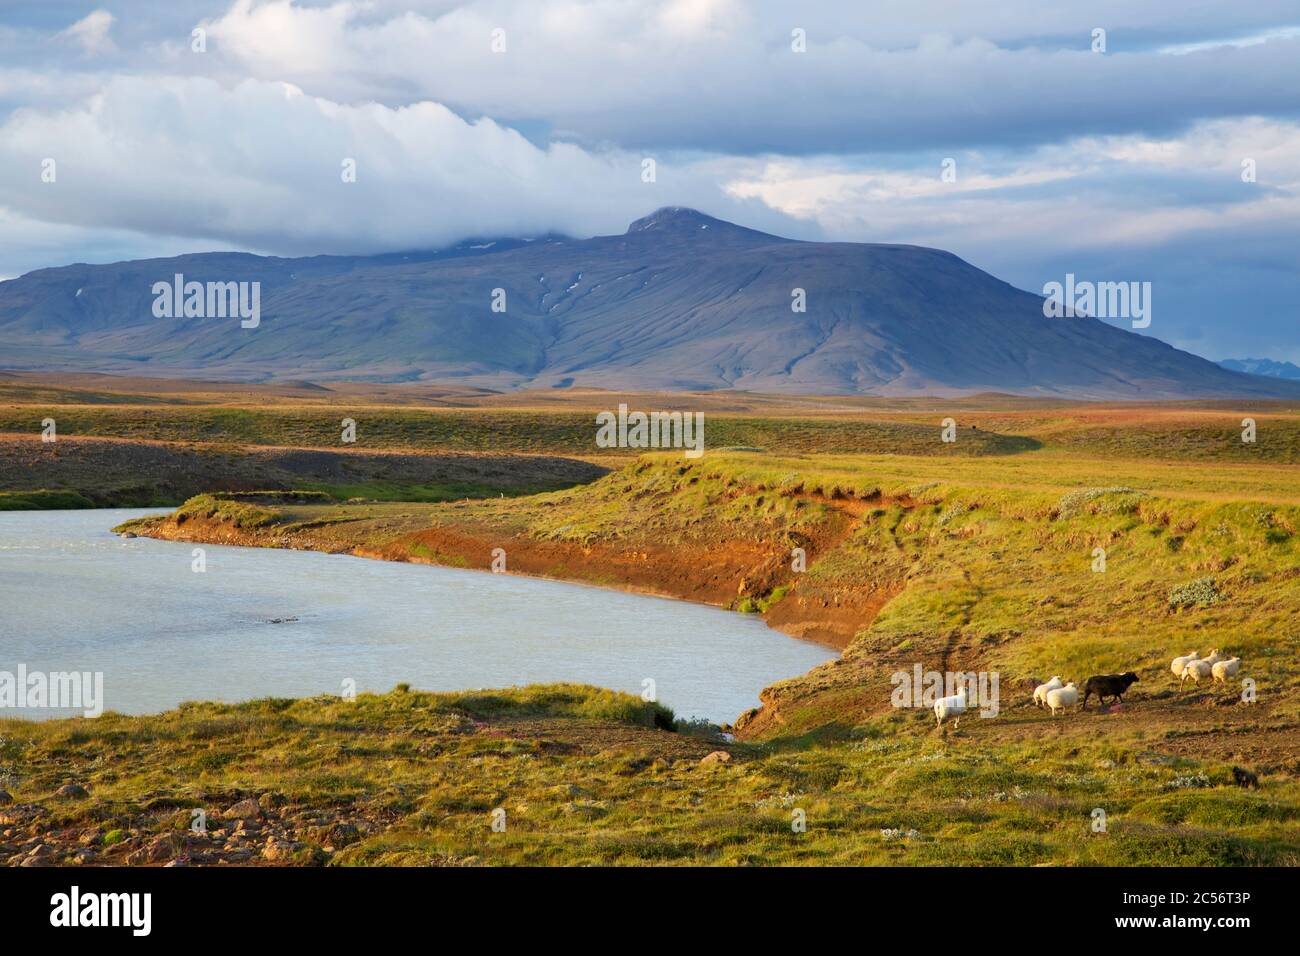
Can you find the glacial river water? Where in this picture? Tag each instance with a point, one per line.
(74, 596)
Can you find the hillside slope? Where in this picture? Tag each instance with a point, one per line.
(680, 301)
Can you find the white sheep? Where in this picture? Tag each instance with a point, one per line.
(1040, 692)
(1062, 697)
(946, 707)
(1222, 670)
(1180, 662)
(1214, 657)
(1196, 670)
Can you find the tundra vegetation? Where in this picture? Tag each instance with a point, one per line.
(974, 559)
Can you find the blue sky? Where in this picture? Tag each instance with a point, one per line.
(1117, 164)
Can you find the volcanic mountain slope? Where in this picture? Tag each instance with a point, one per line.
(680, 301)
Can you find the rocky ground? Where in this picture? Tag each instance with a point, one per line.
(255, 829)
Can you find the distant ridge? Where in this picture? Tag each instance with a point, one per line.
(1266, 367)
(681, 300)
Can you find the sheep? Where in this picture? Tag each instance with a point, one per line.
(1197, 670)
(1222, 670)
(953, 706)
(1180, 662)
(1108, 685)
(1040, 692)
(1214, 657)
(1063, 697)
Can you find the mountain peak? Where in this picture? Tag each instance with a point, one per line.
(676, 217)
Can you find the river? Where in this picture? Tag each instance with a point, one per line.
(262, 622)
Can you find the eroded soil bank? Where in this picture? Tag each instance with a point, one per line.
(897, 574)
(721, 572)
(697, 553)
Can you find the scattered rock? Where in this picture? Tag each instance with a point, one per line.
(41, 855)
(72, 791)
(128, 534)
(717, 757)
(19, 814)
(278, 851)
(181, 820)
(271, 801)
(245, 810)
(343, 834)
(5, 798)
(157, 851)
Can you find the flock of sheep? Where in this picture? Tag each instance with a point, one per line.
(1056, 695)
(1189, 666)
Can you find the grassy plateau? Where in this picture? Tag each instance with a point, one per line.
(1049, 539)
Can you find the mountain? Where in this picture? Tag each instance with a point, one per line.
(679, 301)
(1266, 367)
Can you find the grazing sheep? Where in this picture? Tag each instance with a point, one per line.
(1108, 685)
(1040, 692)
(1222, 670)
(1197, 670)
(1245, 779)
(1180, 662)
(1062, 697)
(946, 707)
(1214, 657)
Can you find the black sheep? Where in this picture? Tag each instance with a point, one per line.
(1244, 778)
(1108, 685)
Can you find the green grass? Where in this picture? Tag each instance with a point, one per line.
(987, 563)
(586, 779)
(213, 508)
(44, 499)
(1204, 432)
(495, 431)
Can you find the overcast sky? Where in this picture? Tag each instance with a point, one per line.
(1122, 164)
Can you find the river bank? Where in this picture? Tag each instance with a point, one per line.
(976, 576)
(987, 572)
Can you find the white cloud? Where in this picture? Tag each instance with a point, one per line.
(720, 74)
(1091, 192)
(92, 33)
(260, 164)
